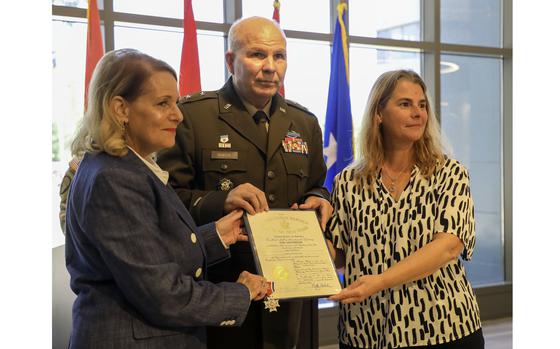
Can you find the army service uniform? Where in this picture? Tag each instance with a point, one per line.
(218, 148)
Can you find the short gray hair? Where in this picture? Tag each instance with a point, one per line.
(234, 42)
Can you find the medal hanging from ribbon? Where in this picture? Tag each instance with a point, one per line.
(271, 303)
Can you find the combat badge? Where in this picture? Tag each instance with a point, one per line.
(293, 143)
(224, 142)
(225, 184)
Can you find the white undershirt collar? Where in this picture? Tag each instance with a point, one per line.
(153, 166)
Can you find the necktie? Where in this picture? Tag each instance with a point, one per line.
(260, 119)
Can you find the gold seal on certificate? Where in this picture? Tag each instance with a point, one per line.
(291, 253)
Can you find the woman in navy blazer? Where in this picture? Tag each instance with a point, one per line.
(136, 259)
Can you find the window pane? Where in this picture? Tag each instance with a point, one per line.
(366, 64)
(166, 43)
(299, 76)
(394, 19)
(204, 10)
(69, 55)
(309, 15)
(309, 87)
(471, 117)
(71, 3)
(471, 22)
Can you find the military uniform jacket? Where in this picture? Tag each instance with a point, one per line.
(217, 148)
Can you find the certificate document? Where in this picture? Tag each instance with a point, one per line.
(291, 252)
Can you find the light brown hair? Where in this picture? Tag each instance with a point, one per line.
(428, 150)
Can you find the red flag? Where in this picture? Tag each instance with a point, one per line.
(276, 17)
(94, 46)
(276, 14)
(189, 77)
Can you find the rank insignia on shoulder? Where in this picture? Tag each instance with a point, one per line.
(293, 143)
(225, 184)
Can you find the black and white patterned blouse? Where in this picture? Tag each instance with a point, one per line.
(376, 232)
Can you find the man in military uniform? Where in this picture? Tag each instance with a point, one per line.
(245, 146)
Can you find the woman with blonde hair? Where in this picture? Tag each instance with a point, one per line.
(403, 215)
(137, 261)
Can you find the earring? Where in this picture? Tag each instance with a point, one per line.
(124, 126)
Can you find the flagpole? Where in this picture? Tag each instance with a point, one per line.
(338, 137)
(276, 17)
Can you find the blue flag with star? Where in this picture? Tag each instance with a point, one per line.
(338, 140)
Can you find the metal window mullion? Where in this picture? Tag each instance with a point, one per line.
(475, 50)
(507, 138)
(64, 11)
(108, 24)
(233, 10)
(392, 43)
(431, 51)
(437, 58)
(333, 14)
(168, 22)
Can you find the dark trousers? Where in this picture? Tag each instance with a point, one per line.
(293, 325)
(474, 340)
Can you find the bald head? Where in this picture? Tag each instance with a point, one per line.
(243, 27)
(256, 59)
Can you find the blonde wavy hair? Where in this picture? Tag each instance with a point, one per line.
(122, 73)
(428, 150)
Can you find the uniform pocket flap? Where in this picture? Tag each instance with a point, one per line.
(296, 164)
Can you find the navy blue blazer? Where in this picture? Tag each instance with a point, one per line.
(137, 262)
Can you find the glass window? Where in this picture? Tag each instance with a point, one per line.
(68, 64)
(204, 10)
(208, 10)
(470, 86)
(166, 43)
(308, 84)
(471, 118)
(366, 64)
(395, 19)
(309, 87)
(309, 15)
(471, 22)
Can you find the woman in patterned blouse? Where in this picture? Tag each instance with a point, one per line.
(403, 217)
